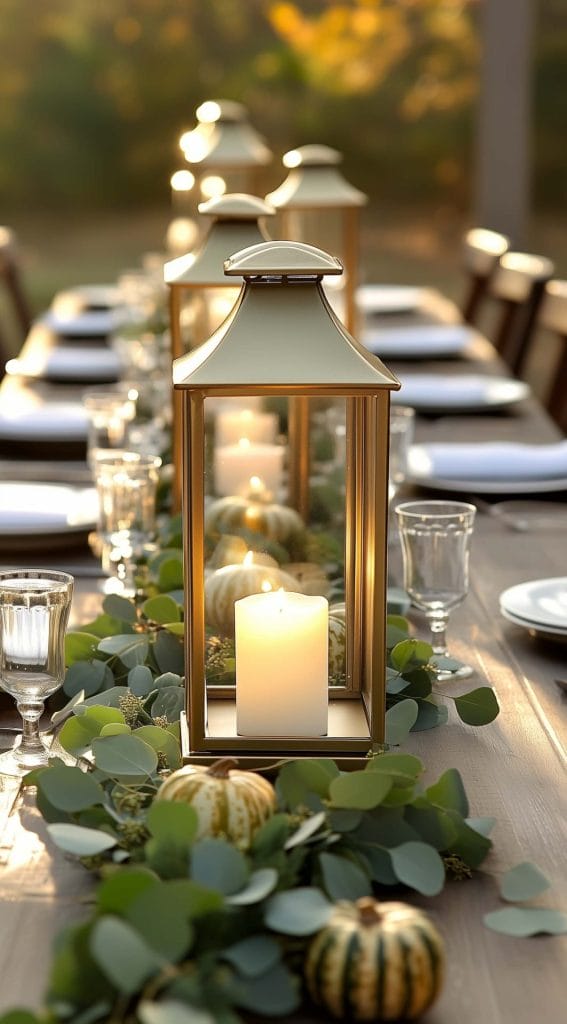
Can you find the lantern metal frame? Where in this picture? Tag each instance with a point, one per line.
(236, 223)
(236, 361)
(224, 141)
(315, 184)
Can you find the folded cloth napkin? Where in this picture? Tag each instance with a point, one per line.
(386, 298)
(81, 322)
(498, 460)
(414, 342)
(64, 421)
(73, 363)
(25, 506)
(469, 391)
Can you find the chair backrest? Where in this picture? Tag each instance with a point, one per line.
(10, 274)
(481, 251)
(518, 283)
(553, 317)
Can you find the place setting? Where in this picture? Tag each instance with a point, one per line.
(540, 606)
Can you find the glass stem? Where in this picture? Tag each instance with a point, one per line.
(31, 713)
(438, 625)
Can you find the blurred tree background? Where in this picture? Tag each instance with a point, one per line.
(95, 94)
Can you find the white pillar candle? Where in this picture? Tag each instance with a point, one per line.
(216, 405)
(232, 425)
(282, 665)
(236, 465)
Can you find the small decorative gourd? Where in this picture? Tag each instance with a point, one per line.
(231, 583)
(230, 803)
(276, 522)
(375, 962)
(234, 550)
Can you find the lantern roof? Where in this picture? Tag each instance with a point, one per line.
(234, 225)
(224, 138)
(315, 181)
(282, 333)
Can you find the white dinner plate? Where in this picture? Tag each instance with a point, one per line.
(540, 601)
(535, 627)
(430, 392)
(64, 421)
(37, 512)
(70, 364)
(421, 472)
(382, 299)
(88, 324)
(424, 341)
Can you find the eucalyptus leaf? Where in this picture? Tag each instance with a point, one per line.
(260, 884)
(469, 844)
(170, 576)
(170, 821)
(108, 698)
(410, 652)
(449, 792)
(482, 825)
(170, 1011)
(122, 955)
(169, 653)
(479, 707)
(87, 676)
(161, 921)
(344, 820)
(169, 703)
(196, 900)
(400, 720)
(312, 775)
(131, 648)
(162, 742)
(140, 680)
(100, 714)
(522, 922)
(523, 882)
(430, 715)
(80, 647)
(107, 625)
(400, 767)
(70, 789)
(167, 679)
(58, 717)
(119, 608)
(115, 729)
(306, 830)
(83, 842)
(253, 956)
(300, 911)
(116, 892)
(360, 790)
(77, 734)
(161, 609)
(419, 866)
(219, 865)
(125, 757)
(343, 880)
(271, 836)
(276, 992)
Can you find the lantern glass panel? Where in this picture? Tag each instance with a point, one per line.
(273, 522)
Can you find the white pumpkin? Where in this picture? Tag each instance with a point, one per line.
(312, 579)
(276, 522)
(231, 583)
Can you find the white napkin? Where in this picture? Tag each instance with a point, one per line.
(498, 460)
(74, 363)
(84, 297)
(469, 391)
(388, 298)
(25, 507)
(423, 340)
(64, 421)
(78, 323)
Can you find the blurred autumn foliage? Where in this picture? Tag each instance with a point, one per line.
(95, 93)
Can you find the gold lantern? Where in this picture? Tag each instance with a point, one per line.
(236, 222)
(286, 686)
(319, 206)
(224, 149)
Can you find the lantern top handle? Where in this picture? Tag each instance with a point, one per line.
(282, 259)
(314, 155)
(236, 206)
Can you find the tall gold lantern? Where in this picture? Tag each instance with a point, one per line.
(319, 206)
(224, 149)
(283, 339)
(201, 295)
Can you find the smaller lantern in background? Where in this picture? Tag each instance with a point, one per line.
(319, 206)
(201, 295)
(224, 150)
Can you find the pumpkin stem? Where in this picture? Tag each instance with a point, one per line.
(368, 910)
(221, 768)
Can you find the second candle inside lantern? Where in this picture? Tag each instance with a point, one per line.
(282, 665)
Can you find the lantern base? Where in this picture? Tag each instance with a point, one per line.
(268, 762)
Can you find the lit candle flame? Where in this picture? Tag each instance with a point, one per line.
(244, 443)
(266, 587)
(248, 559)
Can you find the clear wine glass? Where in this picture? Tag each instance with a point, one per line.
(402, 426)
(435, 538)
(34, 611)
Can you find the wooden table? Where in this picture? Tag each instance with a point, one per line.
(514, 770)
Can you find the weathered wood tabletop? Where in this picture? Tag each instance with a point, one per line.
(514, 770)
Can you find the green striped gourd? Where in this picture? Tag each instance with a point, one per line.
(337, 640)
(232, 582)
(230, 803)
(276, 522)
(375, 962)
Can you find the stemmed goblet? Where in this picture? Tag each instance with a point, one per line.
(435, 538)
(34, 611)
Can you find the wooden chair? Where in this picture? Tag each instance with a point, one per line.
(553, 317)
(481, 251)
(10, 276)
(518, 285)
